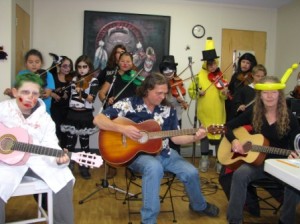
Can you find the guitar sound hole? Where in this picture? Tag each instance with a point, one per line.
(6, 143)
(144, 138)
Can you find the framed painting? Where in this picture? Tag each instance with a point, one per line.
(145, 36)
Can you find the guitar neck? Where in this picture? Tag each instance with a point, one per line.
(164, 134)
(271, 150)
(36, 149)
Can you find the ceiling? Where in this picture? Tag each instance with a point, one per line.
(256, 3)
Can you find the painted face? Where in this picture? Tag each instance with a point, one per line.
(125, 63)
(245, 65)
(27, 96)
(82, 68)
(33, 63)
(65, 67)
(270, 98)
(169, 73)
(156, 95)
(258, 76)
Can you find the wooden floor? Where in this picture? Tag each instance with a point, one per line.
(106, 206)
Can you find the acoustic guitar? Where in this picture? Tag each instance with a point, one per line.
(15, 149)
(118, 150)
(255, 146)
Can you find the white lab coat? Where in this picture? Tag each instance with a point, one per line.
(41, 128)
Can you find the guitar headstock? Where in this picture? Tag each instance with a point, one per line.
(87, 159)
(216, 129)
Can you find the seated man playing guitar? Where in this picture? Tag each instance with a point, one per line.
(151, 104)
(26, 119)
(271, 121)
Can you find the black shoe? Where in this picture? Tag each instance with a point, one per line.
(210, 210)
(84, 172)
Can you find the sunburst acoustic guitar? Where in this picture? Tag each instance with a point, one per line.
(15, 149)
(118, 150)
(255, 146)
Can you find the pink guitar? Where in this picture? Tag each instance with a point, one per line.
(15, 149)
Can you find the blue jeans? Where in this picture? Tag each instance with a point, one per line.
(245, 174)
(152, 170)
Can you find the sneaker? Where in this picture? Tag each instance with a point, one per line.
(204, 164)
(210, 210)
(84, 172)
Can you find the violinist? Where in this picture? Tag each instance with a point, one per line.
(210, 99)
(115, 84)
(79, 120)
(241, 77)
(33, 63)
(168, 68)
(245, 97)
(62, 74)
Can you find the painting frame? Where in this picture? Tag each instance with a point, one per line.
(147, 37)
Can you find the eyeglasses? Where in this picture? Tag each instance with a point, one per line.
(82, 66)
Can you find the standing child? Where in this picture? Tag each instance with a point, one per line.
(79, 121)
(239, 79)
(62, 75)
(244, 98)
(114, 85)
(211, 99)
(33, 63)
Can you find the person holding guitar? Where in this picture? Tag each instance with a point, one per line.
(150, 104)
(268, 117)
(28, 113)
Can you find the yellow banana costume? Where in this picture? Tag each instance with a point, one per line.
(211, 106)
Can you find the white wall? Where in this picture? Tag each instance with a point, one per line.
(6, 37)
(288, 41)
(58, 27)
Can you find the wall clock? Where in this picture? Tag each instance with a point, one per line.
(198, 31)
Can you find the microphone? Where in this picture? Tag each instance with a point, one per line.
(190, 60)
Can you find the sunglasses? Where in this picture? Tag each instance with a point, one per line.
(82, 66)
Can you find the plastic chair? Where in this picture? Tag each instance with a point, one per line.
(31, 186)
(134, 179)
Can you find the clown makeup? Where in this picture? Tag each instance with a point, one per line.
(27, 96)
(169, 73)
(82, 68)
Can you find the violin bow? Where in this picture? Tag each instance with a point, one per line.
(136, 75)
(80, 80)
(185, 69)
(48, 69)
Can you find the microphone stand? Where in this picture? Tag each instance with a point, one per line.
(196, 101)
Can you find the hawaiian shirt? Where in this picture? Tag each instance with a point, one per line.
(136, 110)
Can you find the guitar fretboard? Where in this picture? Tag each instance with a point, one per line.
(164, 134)
(36, 149)
(271, 150)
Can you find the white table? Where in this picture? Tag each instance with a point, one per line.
(287, 170)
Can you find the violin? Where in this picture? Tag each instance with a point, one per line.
(178, 90)
(217, 79)
(133, 76)
(245, 79)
